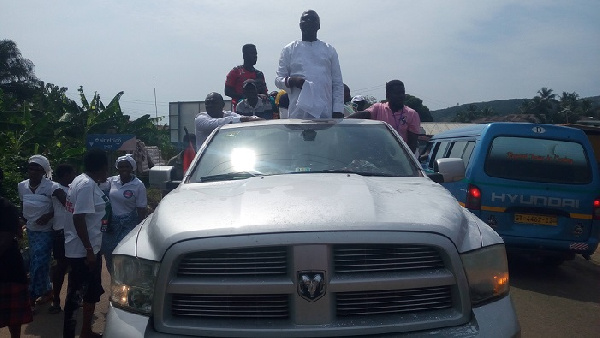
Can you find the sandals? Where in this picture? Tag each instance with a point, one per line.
(44, 299)
(54, 309)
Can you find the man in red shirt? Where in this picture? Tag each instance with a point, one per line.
(236, 77)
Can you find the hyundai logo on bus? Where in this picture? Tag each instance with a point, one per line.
(538, 130)
(537, 200)
(124, 142)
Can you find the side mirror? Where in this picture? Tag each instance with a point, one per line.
(452, 169)
(159, 175)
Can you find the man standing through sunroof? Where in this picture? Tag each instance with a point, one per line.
(309, 71)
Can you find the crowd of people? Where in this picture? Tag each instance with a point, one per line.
(73, 221)
(310, 80)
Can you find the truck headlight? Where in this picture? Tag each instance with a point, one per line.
(487, 273)
(132, 286)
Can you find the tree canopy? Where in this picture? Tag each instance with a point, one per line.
(545, 107)
(39, 118)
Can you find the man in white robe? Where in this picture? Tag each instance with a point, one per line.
(311, 67)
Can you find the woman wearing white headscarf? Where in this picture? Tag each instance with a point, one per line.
(36, 197)
(128, 200)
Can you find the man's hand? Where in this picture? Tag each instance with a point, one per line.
(360, 115)
(250, 118)
(45, 218)
(295, 81)
(61, 195)
(90, 258)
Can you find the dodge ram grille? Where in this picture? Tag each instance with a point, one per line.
(396, 301)
(269, 261)
(311, 284)
(231, 306)
(387, 258)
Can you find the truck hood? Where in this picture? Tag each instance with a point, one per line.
(307, 202)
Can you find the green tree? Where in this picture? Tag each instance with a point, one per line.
(542, 105)
(417, 104)
(38, 118)
(17, 77)
(567, 108)
(466, 116)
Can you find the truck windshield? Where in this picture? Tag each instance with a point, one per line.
(262, 150)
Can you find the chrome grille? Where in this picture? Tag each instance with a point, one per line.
(385, 258)
(393, 302)
(386, 282)
(261, 261)
(231, 306)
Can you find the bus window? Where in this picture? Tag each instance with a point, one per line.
(456, 149)
(438, 152)
(466, 156)
(538, 160)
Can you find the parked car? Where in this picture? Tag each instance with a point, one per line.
(537, 185)
(309, 228)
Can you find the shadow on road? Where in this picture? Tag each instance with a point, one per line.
(576, 279)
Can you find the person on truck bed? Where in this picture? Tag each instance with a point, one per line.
(404, 119)
(215, 117)
(254, 105)
(236, 77)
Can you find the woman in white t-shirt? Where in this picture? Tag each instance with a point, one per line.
(83, 239)
(36, 197)
(129, 204)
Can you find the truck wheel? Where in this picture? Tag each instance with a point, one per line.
(552, 261)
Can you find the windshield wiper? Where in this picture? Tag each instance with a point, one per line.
(345, 171)
(235, 175)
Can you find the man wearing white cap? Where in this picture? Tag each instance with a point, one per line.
(35, 194)
(360, 103)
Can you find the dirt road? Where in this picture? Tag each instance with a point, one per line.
(47, 325)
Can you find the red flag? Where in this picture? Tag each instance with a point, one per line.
(188, 155)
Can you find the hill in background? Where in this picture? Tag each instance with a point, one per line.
(500, 107)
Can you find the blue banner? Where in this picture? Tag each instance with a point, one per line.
(109, 142)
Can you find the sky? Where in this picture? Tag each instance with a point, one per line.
(446, 52)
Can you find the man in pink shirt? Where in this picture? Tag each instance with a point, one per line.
(402, 118)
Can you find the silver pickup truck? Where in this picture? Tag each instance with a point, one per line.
(310, 228)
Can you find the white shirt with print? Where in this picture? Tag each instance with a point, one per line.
(85, 197)
(124, 198)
